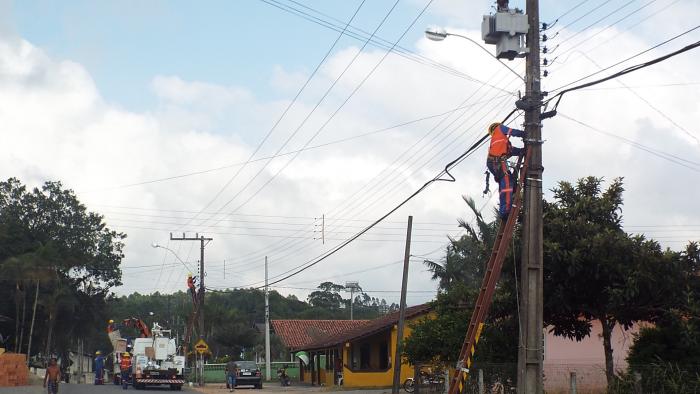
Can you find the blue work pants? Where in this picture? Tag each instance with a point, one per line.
(498, 166)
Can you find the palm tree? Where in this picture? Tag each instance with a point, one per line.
(466, 256)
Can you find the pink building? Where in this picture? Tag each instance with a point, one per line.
(586, 358)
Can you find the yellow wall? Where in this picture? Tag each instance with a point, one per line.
(380, 378)
(329, 381)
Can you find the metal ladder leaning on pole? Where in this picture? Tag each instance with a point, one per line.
(488, 285)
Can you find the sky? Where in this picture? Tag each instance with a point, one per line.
(148, 110)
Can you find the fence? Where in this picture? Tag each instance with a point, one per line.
(661, 378)
(216, 373)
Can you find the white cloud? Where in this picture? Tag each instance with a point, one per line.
(57, 126)
(287, 81)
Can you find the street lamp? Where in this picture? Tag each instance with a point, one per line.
(156, 246)
(439, 34)
(352, 287)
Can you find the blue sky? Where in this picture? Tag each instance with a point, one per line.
(125, 44)
(142, 90)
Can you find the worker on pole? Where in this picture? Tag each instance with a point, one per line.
(500, 149)
(191, 286)
(111, 326)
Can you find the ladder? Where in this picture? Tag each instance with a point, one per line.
(190, 328)
(488, 285)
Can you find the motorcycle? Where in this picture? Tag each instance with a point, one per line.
(430, 379)
(283, 377)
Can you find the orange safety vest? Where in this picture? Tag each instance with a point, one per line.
(500, 143)
(125, 364)
(190, 283)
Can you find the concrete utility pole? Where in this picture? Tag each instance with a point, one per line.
(402, 314)
(267, 327)
(530, 353)
(200, 295)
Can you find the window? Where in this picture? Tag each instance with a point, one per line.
(383, 355)
(370, 354)
(364, 355)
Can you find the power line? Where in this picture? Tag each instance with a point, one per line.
(286, 236)
(350, 219)
(587, 39)
(313, 110)
(567, 12)
(661, 85)
(583, 16)
(297, 270)
(693, 166)
(363, 290)
(648, 103)
(624, 30)
(601, 19)
(351, 199)
(623, 72)
(285, 247)
(284, 113)
(361, 35)
(623, 61)
(242, 163)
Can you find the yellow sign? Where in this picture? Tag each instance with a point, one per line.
(201, 347)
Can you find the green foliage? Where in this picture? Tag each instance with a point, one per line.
(233, 319)
(658, 378)
(459, 278)
(596, 271)
(675, 336)
(328, 296)
(49, 241)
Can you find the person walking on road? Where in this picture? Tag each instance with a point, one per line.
(231, 370)
(52, 377)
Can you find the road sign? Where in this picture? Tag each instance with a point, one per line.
(201, 347)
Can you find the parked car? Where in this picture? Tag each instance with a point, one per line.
(248, 374)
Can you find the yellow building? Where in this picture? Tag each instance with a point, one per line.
(359, 357)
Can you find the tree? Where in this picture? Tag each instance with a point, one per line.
(328, 296)
(594, 270)
(675, 336)
(459, 278)
(49, 241)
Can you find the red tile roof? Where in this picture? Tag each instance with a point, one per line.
(296, 334)
(365, 330)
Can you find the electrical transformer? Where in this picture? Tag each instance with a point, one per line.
(507, 30)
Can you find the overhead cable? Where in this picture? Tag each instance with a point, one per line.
(626, 59)
(308, 116)
(437, 178)
(284, 113)
(618, 74)
(361, 35)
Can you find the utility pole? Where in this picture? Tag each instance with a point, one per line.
(530, 350)
(200, 295)
(402, 314)
(267, 327)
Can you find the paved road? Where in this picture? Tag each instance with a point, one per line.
(83, 389)
(210, 389)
